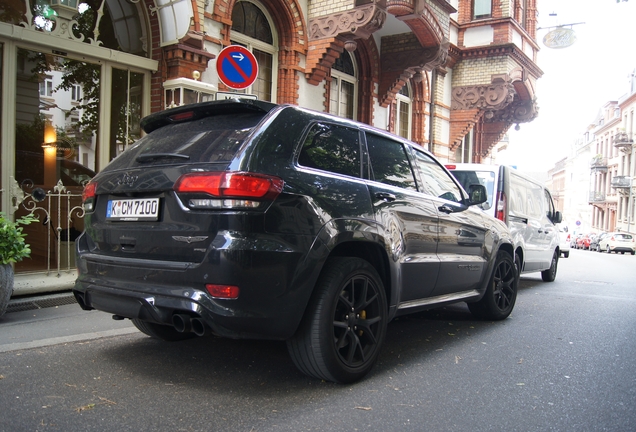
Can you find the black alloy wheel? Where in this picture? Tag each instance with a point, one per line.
(501, 294)
(549, 275)
(344, 327)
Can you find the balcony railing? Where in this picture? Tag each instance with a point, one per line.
(597, 197)
(620, 182)
(598, 163)
(623, 142)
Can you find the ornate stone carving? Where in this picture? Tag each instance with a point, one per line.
(519, 111)
(491, 97)
(360, 22)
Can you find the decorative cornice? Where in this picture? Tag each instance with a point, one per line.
(490, 51)
(359, 22)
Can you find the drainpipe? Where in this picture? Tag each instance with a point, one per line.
(432, 109)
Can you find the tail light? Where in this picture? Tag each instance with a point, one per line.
(502, 207)
(228, 190)
(223, 291)
(88, 196)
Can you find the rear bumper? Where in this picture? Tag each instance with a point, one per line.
(274, 290)
(621, 248)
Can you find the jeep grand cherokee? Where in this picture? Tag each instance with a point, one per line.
(252, 220)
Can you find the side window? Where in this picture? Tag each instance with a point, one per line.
(535, 201)
(332, 148)
(549, 205)
(435, 181)
(389, 162)
(518, 201)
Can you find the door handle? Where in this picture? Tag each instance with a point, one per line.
(446, 209)
(385, 196)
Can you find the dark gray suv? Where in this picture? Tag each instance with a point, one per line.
(252, 220)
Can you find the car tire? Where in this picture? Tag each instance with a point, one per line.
(163, 332)
(566, 254)
(549, 275)
(344, 326)
(609, 251)
(501, 293)
(633, 252)
(598, 248)
(518, 266)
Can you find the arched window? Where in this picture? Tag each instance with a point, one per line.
(403, 112)
(342, 98)
(251, 28)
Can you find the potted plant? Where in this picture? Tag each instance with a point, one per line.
(13, 248)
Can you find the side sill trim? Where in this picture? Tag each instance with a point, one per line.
(439, 299)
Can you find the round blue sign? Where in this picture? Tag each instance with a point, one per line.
(237, 67)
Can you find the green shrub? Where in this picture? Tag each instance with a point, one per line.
(13, 247)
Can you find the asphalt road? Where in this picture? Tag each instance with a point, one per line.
(564, 361)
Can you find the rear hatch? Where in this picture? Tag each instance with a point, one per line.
(166, 197)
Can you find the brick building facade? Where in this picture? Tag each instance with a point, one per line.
(451, 75)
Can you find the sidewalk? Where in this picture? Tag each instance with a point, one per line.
(37, 291)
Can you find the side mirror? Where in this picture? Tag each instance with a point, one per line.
(557, 217)
(477, 194)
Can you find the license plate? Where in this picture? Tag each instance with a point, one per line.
(142, 209)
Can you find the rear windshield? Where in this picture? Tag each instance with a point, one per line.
(623, 236)
(211, 139)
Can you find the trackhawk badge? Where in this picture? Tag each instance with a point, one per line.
(127, 180)
(189, 240)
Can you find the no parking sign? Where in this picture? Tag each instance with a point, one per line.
(237, 67)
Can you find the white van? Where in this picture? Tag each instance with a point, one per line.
(526, 206)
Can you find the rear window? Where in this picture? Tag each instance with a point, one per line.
(211, 139)
(622, 236)
(484, 178)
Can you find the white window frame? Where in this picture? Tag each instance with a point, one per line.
(251, 44)
(400, 100)
(46, 87)
(482, 6)
(337, 78)
(461, 149)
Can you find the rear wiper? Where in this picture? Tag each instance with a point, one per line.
(148, 157)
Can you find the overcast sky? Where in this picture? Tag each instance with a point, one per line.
(577, 80)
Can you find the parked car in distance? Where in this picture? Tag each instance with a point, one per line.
(583, 242)
(564, 241)
(618, 242)
(260, 221)
(594, 243)
(525, 206)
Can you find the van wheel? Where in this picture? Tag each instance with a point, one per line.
(158, 331)
(501, 294)
(549, 275)
(339, 338)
